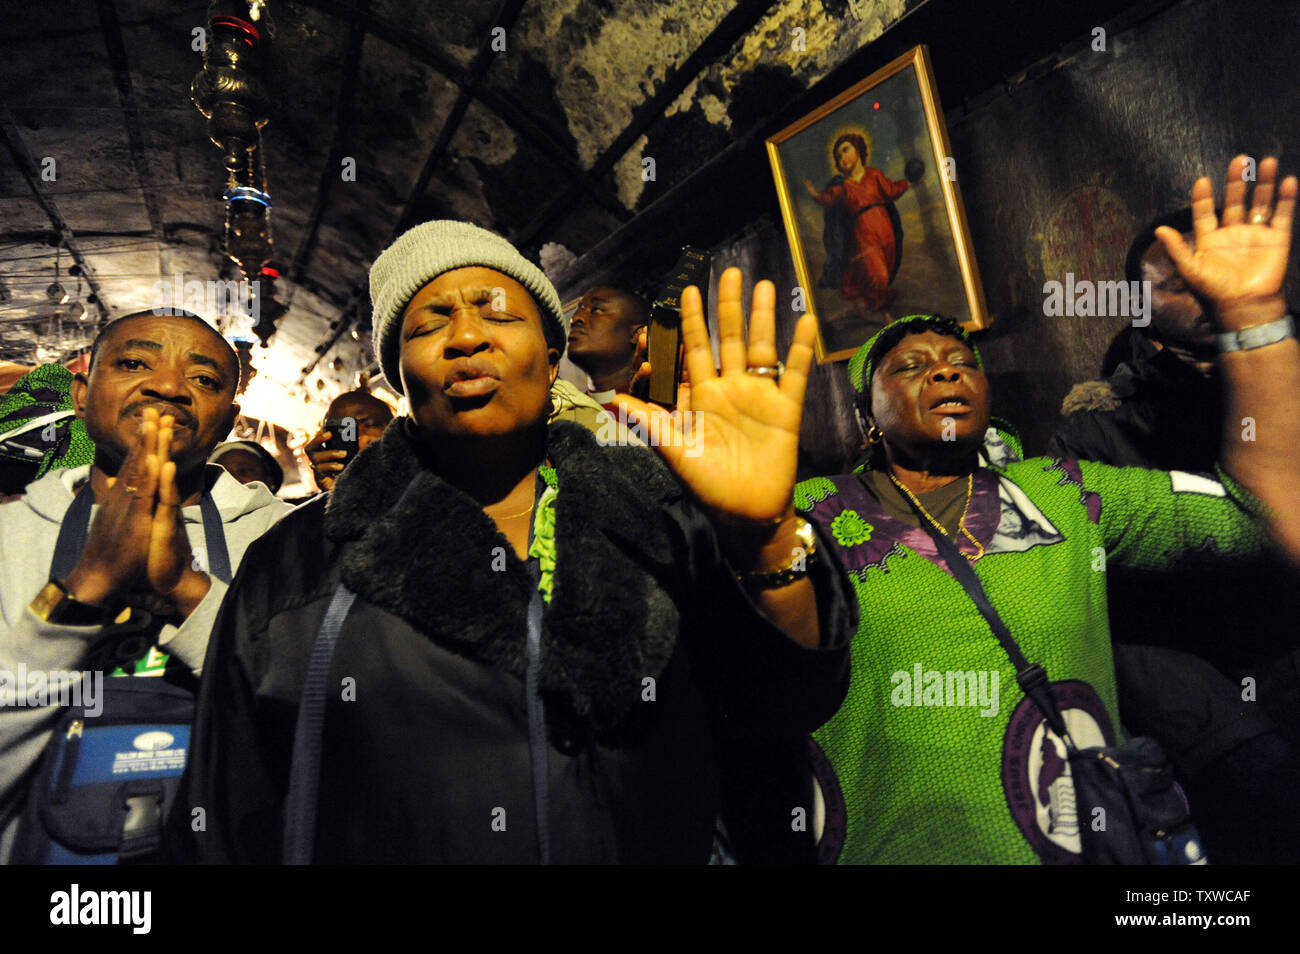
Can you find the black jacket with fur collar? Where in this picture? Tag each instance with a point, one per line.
(662, 683)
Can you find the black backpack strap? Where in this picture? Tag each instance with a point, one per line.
(537, 740)
(1031, 677)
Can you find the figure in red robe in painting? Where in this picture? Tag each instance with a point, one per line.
(863, 235)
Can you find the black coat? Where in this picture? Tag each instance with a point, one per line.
(435, 741)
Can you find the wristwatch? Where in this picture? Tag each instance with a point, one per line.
(796, 569)
(56, 604)
(1257, 336)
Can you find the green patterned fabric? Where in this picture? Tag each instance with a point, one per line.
(924, 780)
(850, 529)
(543, 545)
(32, 427)
(809, 492)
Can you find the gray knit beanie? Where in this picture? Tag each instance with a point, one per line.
(431, 249)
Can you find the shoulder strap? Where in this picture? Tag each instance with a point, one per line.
(537, 736)
(75, 528)
(72, 534)
(301, 800)
(537, 742)
(304, 769)
(214, 536)
(1031, 677)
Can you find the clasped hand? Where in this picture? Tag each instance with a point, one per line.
(137, 544)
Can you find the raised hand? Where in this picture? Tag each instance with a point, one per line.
(172, 572)
(137, 544)
(117, 545)
(736, 448)
(1239, 263)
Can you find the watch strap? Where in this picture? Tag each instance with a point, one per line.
(56, 604)
(794, 570)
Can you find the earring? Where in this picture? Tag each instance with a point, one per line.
(874, 435)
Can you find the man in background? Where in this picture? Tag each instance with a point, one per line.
(353, 421)
(139, 530)
(603, 337)
(249, 461)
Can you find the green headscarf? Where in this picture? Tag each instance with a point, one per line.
(38, 423)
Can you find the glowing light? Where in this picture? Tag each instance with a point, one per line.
(267, 399)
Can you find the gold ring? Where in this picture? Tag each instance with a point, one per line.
(1259, 218)
(130, 490)
(767, 371)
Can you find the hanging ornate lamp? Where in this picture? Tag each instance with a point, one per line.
(229, 92)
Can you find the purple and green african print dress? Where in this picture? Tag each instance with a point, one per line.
(936, 757)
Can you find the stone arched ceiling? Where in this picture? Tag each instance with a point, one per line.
(542, 140)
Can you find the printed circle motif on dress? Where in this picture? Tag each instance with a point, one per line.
(1036, 773)
(836, 824)
(849, 529)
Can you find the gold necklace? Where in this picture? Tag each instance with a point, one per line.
(970, 487)
(510, 516)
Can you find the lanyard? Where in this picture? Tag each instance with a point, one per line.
(76, 528)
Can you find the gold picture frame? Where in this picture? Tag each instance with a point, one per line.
(867, 247)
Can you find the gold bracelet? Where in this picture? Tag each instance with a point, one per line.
(794, 570)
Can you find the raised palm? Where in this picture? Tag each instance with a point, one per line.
(1243, 258)
(736, 444)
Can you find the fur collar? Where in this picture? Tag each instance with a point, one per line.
(428, 558)
(1091, 396)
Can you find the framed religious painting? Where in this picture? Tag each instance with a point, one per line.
(868, 192)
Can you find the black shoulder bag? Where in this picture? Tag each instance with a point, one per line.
(1144, 818)
(109, 774)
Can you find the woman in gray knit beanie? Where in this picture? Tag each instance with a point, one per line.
(556, 646)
